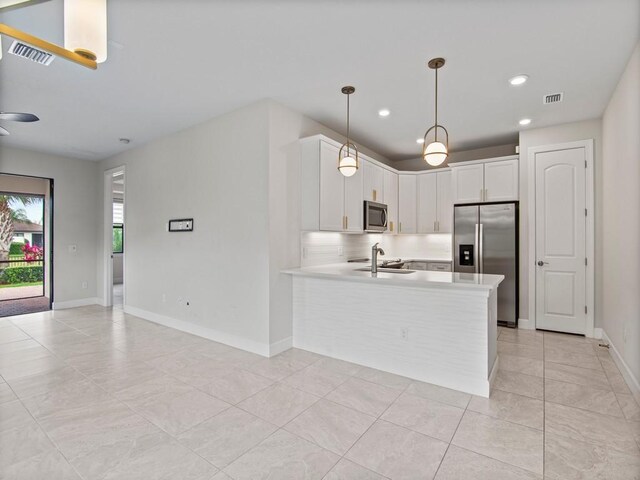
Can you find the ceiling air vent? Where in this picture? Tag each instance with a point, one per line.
(552, 98)
(31, 53)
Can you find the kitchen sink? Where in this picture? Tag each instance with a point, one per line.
(385, 270)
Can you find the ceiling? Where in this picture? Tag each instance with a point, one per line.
(173, 64)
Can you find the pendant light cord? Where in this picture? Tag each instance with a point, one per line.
(348, 152)
(436, 132)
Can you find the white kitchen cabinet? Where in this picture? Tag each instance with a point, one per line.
(391, 199)
(353, 206)
(445, 203)
(340, 202)
(435, 208)
(373, 181)
(427, 202)
(331, 190)
(407, 199)
(501, 181)
(468, 183)
(488, 181)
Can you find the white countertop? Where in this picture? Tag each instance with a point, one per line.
(419, 278)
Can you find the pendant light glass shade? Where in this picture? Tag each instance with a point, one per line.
(85, 28)
(348, 161)
(435, 152)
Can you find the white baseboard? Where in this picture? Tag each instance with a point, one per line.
(232, 340)
(525, 324)
(627, 374)
(597, 333)
(280, 346)
(81, 302)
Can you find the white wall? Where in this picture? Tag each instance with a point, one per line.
(621, 217)
(75, 219)
(217, 173)
(569, 132)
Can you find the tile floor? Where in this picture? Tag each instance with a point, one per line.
(97, 394)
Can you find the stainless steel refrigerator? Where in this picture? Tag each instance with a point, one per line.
(485, 240)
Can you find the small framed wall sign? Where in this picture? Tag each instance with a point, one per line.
(181, 225)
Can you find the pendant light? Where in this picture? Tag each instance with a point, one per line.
(348, 161)
(85, 28)
(436, 152)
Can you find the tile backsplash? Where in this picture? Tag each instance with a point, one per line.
(319, 248)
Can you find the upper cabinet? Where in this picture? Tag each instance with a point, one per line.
(407, 198)
(501, 181)
(435, 208)
(468, 183)
(373, 190)
(490, 181)
(330, 201)
(391, 199)
(417, 202)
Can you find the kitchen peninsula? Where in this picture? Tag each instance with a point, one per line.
(436, 327)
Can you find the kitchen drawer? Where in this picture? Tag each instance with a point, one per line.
(439, 266)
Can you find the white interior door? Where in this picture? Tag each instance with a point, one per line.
(560, 261)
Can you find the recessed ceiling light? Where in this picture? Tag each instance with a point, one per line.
(385, 112)
(525, 121)
(420, 141)
(518, 79)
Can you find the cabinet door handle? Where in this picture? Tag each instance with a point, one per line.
(399, 227)
(482, 194)
(435, 229)
(375, 195)
(486, 194)
(346, 223)
(391, 226)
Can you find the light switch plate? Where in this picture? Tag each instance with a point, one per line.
(181, 225)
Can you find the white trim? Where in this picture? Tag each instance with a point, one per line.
(597, 333)
(589, 234)
(464, 163)
(627, 374)
(204, 332)
(525, 324)
(280, 346)
(494, 372)
(80, 302)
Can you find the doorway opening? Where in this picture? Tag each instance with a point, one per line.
(26, 209)
(115, 234)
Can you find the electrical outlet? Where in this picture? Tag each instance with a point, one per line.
(85, 285)
(404, 333)
(164, 297)
(625, 332)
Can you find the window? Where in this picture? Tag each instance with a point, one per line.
(118, 226)
(118, 238)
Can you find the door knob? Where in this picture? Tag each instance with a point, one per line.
(541, 263)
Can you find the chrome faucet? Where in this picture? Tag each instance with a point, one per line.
(374, 257)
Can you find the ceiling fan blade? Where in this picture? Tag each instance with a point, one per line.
(18, 117)
(3, 132)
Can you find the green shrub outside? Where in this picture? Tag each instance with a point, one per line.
(16, 248)
(21, 275)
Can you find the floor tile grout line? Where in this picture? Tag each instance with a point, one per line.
(114, 397)
(54, 444)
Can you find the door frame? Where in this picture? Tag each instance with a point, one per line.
(107, 238)
(589, 227)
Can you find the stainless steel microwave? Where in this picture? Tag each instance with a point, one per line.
(375, 217)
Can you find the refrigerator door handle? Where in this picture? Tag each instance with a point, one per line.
(480, 249)
(475, 251)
